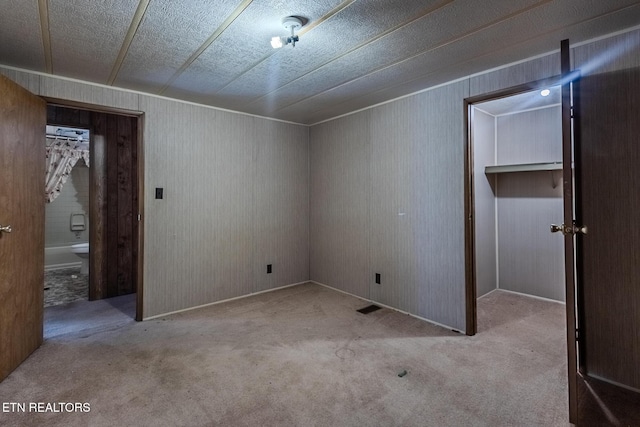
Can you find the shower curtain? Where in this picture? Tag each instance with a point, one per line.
(62, 156)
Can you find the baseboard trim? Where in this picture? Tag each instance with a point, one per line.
(61, 266)
(170, 313)
(389, 307)
(527, 295)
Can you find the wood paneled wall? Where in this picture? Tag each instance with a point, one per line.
(117, 203)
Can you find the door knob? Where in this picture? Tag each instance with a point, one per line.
(5, 229)
(557, 228)
(580, 230)
(569, 229)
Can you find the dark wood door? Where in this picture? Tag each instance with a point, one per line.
(569, 214)
(22, 167)
(608, 203)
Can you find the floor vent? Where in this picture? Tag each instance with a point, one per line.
(369, 309)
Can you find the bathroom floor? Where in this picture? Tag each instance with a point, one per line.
(65, 285)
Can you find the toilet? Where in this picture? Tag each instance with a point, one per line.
(82, 250)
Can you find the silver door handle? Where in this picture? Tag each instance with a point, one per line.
(569, 229)
(557, 228)
(5, 228)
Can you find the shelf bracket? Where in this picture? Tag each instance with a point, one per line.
(556, 178)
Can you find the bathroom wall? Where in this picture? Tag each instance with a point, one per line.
(74, 198)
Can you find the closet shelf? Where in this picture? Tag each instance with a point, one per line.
(526, 167)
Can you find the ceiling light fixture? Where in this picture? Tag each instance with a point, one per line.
(290, 23)
(545, 92)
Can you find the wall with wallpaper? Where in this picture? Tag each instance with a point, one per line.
(387, 197)
(387, 187)
(235, 196)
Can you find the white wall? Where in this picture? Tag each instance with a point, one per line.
(74, 198)
(483, 136)
(530, 257)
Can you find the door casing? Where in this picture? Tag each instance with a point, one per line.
(469, 202)
(89, 110)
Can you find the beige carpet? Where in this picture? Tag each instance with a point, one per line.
(303, 356)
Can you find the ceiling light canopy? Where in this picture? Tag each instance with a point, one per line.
(290, 23)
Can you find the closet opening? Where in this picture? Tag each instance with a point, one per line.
(514, 193)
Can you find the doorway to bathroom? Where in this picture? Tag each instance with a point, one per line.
(66, 252)
(101, 223)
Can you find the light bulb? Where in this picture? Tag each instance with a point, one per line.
(276, 42)
(545, 92)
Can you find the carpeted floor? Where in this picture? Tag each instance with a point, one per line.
(303, 356)
(65, 285)
(89, 317)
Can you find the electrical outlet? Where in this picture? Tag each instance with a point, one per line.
(378, 278)
(159, 192)
(269, 269)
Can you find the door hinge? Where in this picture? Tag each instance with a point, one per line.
(139, 217)
(577, 334)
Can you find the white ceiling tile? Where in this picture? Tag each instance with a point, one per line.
(169, 34)
(351, 54)
(21, 36)
(246, 45)
(86, 36)
(491, 43)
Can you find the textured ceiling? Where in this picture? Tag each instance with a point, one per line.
(351, 53)
(521, 102)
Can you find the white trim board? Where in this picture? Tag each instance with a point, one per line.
(170, 313)
(523, 295)
(135, 92)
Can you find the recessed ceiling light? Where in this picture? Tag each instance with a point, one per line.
(545, 92)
